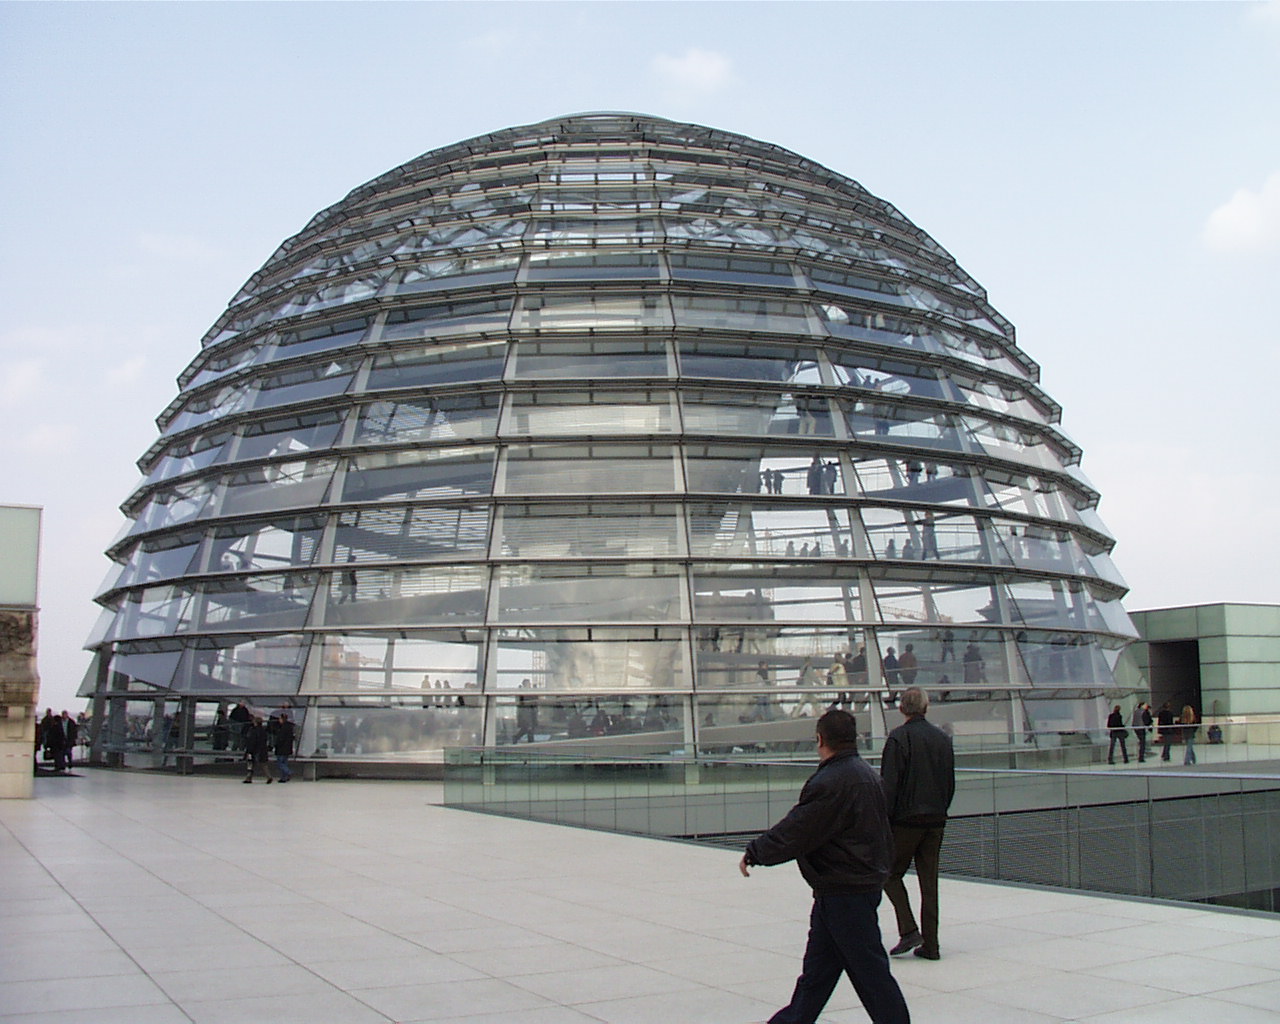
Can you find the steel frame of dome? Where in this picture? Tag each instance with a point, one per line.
(606, 428)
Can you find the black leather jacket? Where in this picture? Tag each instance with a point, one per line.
(838, 833)
(919, 770)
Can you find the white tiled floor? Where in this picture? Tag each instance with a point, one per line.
(149, 900)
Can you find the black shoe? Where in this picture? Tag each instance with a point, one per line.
(247, 781)
(925, 954)
(907, 943)
(269, 781)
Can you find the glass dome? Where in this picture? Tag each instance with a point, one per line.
(606, 429)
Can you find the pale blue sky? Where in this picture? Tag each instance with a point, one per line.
(1111, 174)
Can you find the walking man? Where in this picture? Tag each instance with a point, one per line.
(919, 772)
(838, 834)
(1164, 719)
(1141, 722)
(282, 743)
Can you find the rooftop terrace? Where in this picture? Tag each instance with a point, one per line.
(161, 900)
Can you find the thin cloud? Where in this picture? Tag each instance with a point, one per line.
(127, 372)
(20, 380)
(1266, 13)
(703, 71)
(179, 248)
(1248, 222)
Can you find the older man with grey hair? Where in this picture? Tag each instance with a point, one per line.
(918, 766)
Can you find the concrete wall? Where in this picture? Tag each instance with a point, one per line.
(1239, 653)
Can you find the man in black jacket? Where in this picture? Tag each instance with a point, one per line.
(838, 835)
(919, 772)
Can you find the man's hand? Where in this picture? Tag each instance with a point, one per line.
(742, 866)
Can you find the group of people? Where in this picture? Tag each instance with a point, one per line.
(854, 834)
(1185, 727)
(263, 738)
(56, 737)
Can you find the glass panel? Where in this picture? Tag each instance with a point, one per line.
(188, 456)
(592, 529)
(942, 658)
(269, 665)
(553, 310)
(731, 470)
(429, 419)
(278, 544)
(306, 383)
(886, 377)
(589, 359)
(228, 360)
(401, 732)
(456, 272)
(276, 486)
(589, 469)
(911, 425)
(550, 413)
(435, 666)
(917, 479)
(599, 593)
(159, 559)
(788, 656)
(766, 723)
(1063, 659)
(774, 593)
(595, 659)
(411, 595)
(729, 530)
(695, 266)
(926, 600)
(728, 412)
(173, 505)
(729, 360)
(912, 536)
(155, 611)
(410, 535)
(438, 473)
(448, 318)
(321, 339)
(148, 666)
(651, 722)
(421, 367)
(221, 401)
(740, 313)
(276, 601)
(591, 265)
(1055, 604)
(289, 435)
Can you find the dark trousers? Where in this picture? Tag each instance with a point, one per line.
(1117, 737)
(1142, 743)
(844, 937)
(923, 845)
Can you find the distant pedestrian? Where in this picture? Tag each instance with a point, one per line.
(1188, 721)
(54, 740)
(240, 719)
(1141, 722)
(70, 736)
(284, 740)
(1164, 719)
(1115, 726)
(256, 745)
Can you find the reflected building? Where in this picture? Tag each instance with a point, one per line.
(607, 428)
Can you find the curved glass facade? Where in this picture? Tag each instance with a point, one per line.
(609, 428)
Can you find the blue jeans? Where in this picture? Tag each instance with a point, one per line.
(282, 766)
(844, 937)
(1190, 756)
